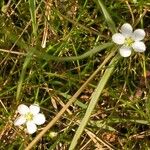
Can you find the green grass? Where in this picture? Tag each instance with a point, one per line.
(60, 55)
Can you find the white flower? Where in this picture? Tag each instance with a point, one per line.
(29, 116)
(129, 40)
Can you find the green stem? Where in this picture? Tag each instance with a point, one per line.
(72, 58)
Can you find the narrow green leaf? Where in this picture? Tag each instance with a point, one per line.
(32, 7)
(94, 99)
(22, 75)
(72, 58)
(107, 16)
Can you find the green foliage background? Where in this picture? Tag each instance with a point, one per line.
(113, 109)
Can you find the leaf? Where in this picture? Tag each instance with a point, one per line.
(94, 99)
(107, 16)
(32, 7)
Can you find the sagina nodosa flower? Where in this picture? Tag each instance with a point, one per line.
(129, 40)
(29, 116)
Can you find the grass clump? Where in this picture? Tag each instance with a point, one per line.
(60, 55)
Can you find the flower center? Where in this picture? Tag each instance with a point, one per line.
(29, 116)
(129, 41)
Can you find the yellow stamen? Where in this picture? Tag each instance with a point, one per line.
(129, 41)
(29, 116)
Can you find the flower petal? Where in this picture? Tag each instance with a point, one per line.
(125, 51)
(139, 34)
(23, 109)
(31, 127)
(126, 29)
(19, 121)
(34, 109)
(118, 38)
(139, 46)
(39, 119)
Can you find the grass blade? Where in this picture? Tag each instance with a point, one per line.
(94, 99)
(107, 16)
(22, 75)
(32, 7)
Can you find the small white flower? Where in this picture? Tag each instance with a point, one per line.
(29, 116)
(129, 40)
